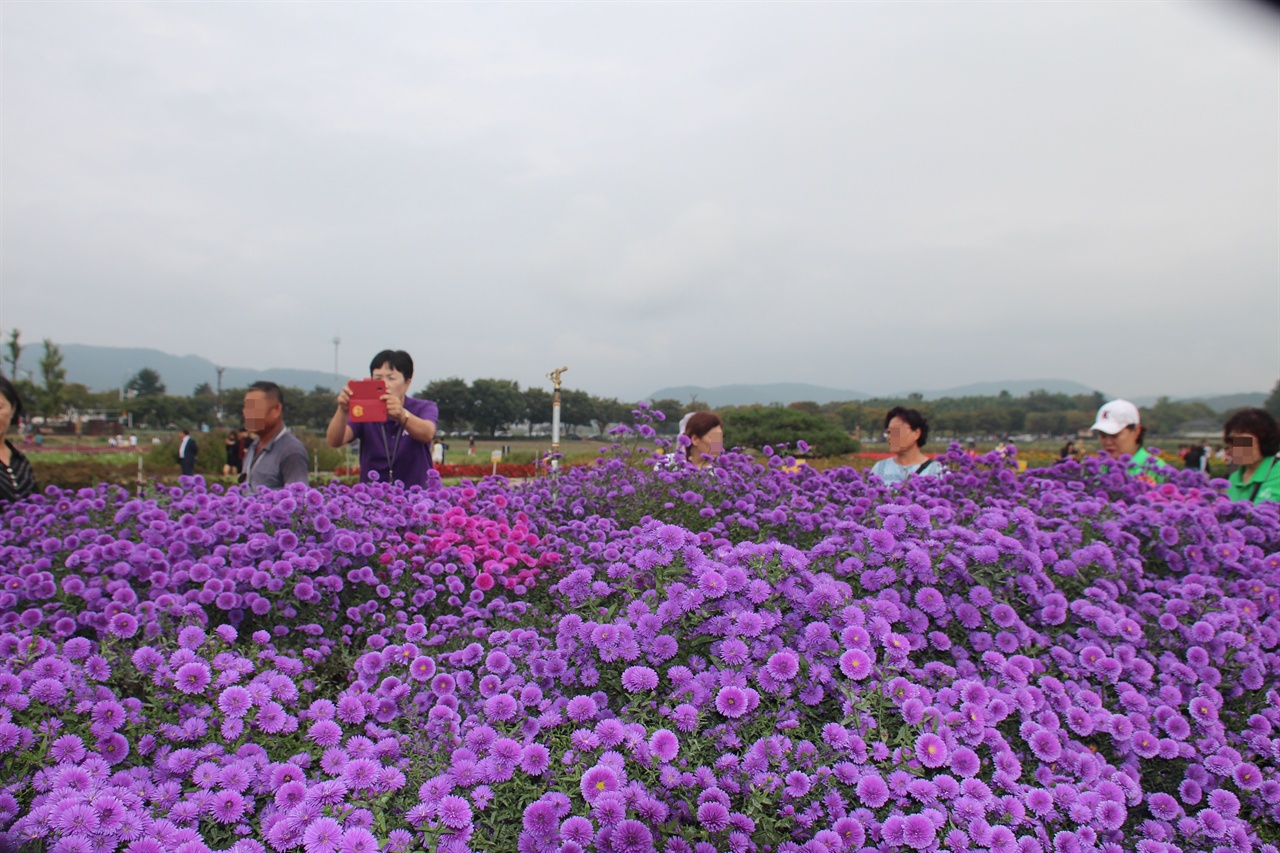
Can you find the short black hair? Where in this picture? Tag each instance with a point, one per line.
(1260, 424)
(911, 418)
(271, 389)
(10, 392)
(397, 358)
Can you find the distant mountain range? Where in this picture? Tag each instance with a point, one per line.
(782, 393)
(105, 368)
(791, 392)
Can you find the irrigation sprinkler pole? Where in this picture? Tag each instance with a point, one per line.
(554, 376)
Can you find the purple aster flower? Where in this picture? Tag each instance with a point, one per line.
(636, 679)
(455, 813)
(192, 678)
(872, 791)
(918, 831)
(540, 818)
(322, 835)
(325, 733)
(783, 665)
(578, 830)
(596, 781)
(856, 664)
(68, 748)
(665, 745)
(227, 806)
(534, 759)
(581, 708)
(631, 836)
(1045, 745)
(357, 839)
(731, 701)
(501, 707)
(931, 750)
(964, 762)
(797, 784)
(713, 816)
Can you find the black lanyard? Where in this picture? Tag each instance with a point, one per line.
(392, 449)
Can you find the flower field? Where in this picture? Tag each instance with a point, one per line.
(621, 660)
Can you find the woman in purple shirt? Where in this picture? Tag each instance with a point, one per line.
(399, 448)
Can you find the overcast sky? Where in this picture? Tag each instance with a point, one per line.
(871, 195)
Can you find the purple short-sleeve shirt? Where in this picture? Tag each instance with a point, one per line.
(389, 449)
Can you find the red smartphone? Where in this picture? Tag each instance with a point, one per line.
(367, 406)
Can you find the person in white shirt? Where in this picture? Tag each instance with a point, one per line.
(908, 431)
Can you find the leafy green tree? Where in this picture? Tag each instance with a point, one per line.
(53, 397)
(609, 411)
(806, 406)
(537, 406)
(145, 383)
(758, 426)
(1272, 404)
(14, 346)
(204, 389)
(672, 410)
(453, 397)
(1167, 416)
(495, 405)
(576, 408)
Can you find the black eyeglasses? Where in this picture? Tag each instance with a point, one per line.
(1241, 440)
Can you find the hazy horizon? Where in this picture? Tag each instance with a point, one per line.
(872, 196)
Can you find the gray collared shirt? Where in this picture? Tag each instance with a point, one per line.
(283, 460)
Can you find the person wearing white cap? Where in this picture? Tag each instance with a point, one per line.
(1120, 432)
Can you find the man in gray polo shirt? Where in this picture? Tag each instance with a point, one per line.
(276, 458)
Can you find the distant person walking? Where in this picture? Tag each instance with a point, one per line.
(17, 480)
(471, 446)
(276, 457)
(1193, 459)
(187, 453)
(399, 448)
(908, 431)
(235, 454)
(1253, 440)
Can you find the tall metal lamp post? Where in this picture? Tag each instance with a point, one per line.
(554, 376)
(220, 372)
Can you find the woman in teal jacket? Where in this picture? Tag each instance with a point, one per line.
(1253, 439)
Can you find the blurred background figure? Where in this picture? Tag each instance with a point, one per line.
(1120, 433)
(1253, 439)
(235, 454)
(705, 431)
(187, 453)
(17, 481)
(908, 431)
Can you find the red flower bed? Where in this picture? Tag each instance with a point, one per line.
(506, 469)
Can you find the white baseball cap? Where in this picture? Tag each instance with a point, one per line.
(1115, 416)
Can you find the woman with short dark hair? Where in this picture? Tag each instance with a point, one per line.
(705, 431)
(17, 480)
(1253, 439)
(399, 448)
(908, 430)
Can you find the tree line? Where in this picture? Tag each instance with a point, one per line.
(489, 406)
